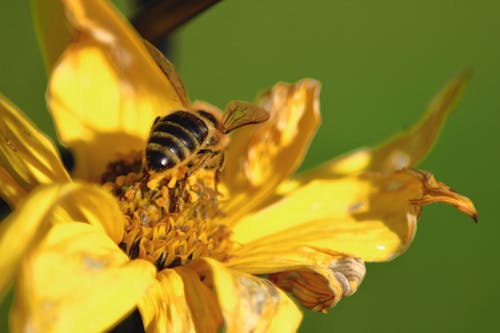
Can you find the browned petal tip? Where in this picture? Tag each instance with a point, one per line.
(321, 287)
(435, 191)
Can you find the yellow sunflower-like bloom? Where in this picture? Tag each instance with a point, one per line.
(191, 252)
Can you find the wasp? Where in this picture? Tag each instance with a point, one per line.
(196, 139)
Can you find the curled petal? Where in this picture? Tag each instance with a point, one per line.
(262, 156)
(28, 158)
(372, 216)
(318, 278)
(319, 288)
(405, 149)
(106, 90)
(434, 191)
(164, 308)
(248, 303)
(68, 286)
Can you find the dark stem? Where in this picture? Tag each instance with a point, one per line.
(158, 18)
(131, 324)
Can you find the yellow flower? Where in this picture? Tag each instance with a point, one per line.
(197, 252)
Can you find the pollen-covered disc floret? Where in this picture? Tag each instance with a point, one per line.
(170, 220)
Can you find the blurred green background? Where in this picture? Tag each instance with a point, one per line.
(380, 63)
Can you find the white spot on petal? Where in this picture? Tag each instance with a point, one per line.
(28, 327)
(411, 218)
(103, 36)
(93, 263)
(399, 159)
(257, 297)
(393, 186)
(355, 207)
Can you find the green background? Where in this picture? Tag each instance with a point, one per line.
(380, 63)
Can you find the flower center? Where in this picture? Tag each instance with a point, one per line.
(169, 220)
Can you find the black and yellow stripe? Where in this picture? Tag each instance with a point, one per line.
(174, 138)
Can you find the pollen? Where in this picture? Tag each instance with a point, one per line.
(170, 220)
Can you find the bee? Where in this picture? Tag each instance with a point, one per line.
(196, 139)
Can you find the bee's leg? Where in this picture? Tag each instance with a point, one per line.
(216, 163)
(202, 158)
(176, 193)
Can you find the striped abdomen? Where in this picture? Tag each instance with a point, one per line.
(174, 139)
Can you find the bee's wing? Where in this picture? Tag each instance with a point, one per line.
(169, 70)
(240, 113)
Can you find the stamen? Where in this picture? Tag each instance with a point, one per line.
(170, 220)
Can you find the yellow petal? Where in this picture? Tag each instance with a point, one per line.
(91, 204)
(260, 156)
(52, 28)
(27, 157)
(78, 280)
(202, 302)
(405, 149)
(12, 192)
(53, 204)
(248, 303)
(164, 309)
(318, 278)
(23, 229)
(371, 215)
(106, 90)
